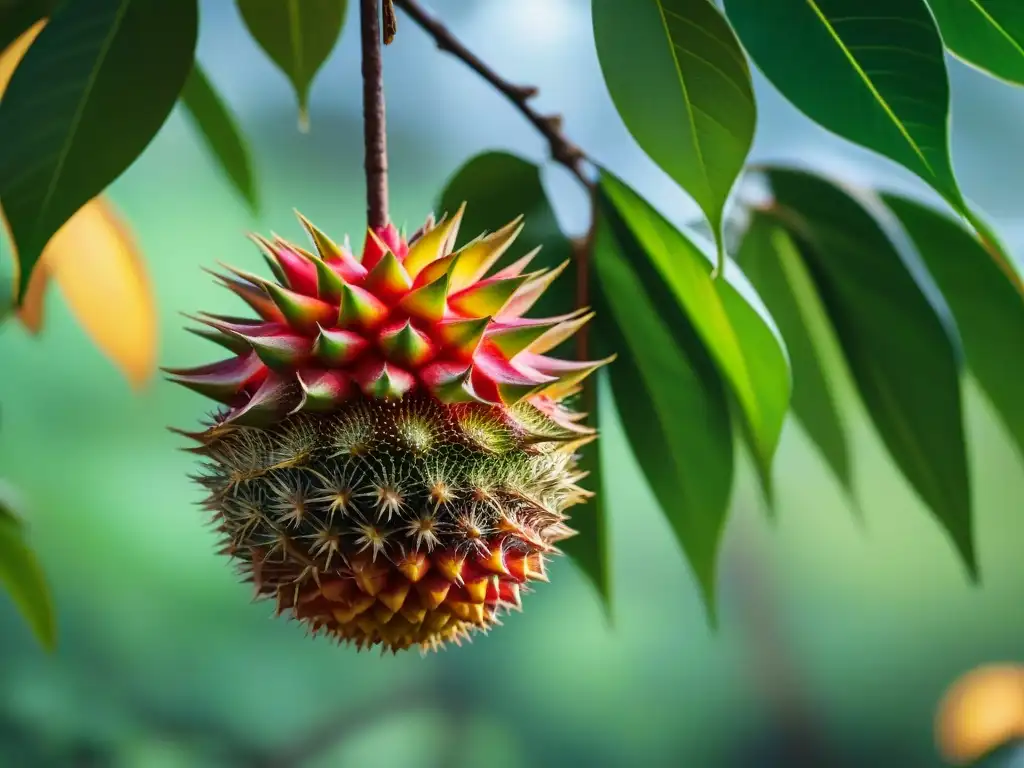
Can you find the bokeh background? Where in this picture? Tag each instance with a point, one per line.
(841, 621)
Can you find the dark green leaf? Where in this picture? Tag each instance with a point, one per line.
(678, 77)
(590, 548)
(988, 310)
(872, 71)
(986, 33)
(16, 16)
(739, 338)
(497, 187)
(23, 578)
(903, 357)
(218, 128)
(86, 100)
(670, 397)
(770, 259)
(298, 36)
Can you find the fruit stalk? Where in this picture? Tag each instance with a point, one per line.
(374, 124)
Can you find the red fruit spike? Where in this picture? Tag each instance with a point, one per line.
(449, 564)
(303, 313)
(339, 259)
(391, 237)
(536, 569)
(374, 249)
(460, 338)
(486, 297)
(433, 244)
(515, 562)
(494, 560)
(497, 380)
(280, 351)
(514, 336)
(394, 596)
(383, 380)
(433, 589)
(337, 348)
(474, 259)
(274, 398)
(221, 381)
(253, 295)
(567, 373)
(388, 278)
(530, 292)
(404, 345)
(300, 274)
(450, 382)
(508, 592)
(322, 390)
(414, 566)
(518, 266)
(360, 309)
(427, 302)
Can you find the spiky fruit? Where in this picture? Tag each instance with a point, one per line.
(394, 454)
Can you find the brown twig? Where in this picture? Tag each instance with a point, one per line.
(375, 133)
(563, 151)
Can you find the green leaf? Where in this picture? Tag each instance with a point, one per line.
(769, 258)
(497, 187)
(739, 338)
(903, 357)
(680, 81)
(986, 33)
(90, 94)
(671, 398)
(989, 312)
(298, 36)
(872, 71)
(23, 578)
(219, 130)
(590, 548)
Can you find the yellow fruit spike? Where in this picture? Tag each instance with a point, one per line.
(567, 382)
(360, 309)
(394, 596)
(518, 266)
(432, 591)
(487, 297)
(474, 260)
(435, 270)
(561, 332)
(530, 292)
(388, 277)
(514, 338)
(476, 589)
(429, 302)
(434, 244)
(462, 337)
(326, 247)
(414, 566)
(494, 561)
(449, 565)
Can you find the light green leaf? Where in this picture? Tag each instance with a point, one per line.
(739, 339)
(769, 258)
(23, 578)
(497, 187)
(90, 94)
(903, 357)
(680, 81)
(298, 36)
(986, 33)
(219, 130)
(671, 399)
(871, 71)
(989, 313)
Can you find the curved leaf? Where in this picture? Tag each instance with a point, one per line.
(989, 313)
(871, 71)
(740, 341)
(87, 98)
(671, 399)
(95, 262)
(497, 187)
(769, 258)
(218, 128)
(680, 81)
(23, 578)
(298, 36)
(986, 33)
(18, 16)
(902, 356)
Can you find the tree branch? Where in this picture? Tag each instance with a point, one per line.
(563, 151)
(375, 134)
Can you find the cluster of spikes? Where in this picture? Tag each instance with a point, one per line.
(394, 449)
